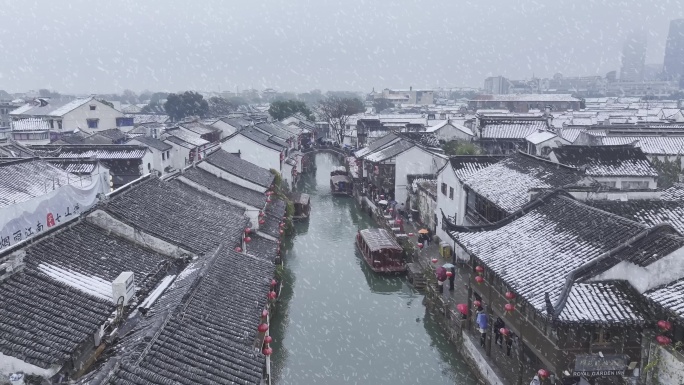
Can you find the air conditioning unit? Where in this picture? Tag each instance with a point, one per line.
(123, 286)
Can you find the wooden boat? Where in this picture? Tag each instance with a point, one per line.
(340, 182)
(302, 206)
(381, 251)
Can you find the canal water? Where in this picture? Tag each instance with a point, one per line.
(337, 322)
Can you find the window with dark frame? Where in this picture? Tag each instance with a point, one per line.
(92, 108)
(92, 123)
(444, 189)
(451, 193)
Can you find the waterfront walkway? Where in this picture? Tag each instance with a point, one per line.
(447, 302)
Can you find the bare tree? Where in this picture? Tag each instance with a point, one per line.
(336, 111)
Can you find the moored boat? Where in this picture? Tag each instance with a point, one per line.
(381, 251)
(302, 206)
(340, 182)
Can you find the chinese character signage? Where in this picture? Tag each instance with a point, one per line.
(30, 218)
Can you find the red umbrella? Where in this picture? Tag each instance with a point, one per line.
(463, 308)
(441, 273)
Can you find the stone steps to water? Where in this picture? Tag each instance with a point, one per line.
(416, 277)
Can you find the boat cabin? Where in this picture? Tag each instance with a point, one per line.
(381, 251)
(302, 206)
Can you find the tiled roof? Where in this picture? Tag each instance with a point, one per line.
(179, 214)
(378, 239)
(507, 183)
(97, 151)
(44, 321)
(198, 128)
(241, 168)
(147, 118)
(53, 108)
(655, 145)
(648, 212)
(389, 151)
(674, 193)
(15, 150)
(670, 296)
(77, 166)
(527, 98)
(570, 134)
(265, 140)
(262, 248)
(536, 252)
(606, 160)
(466, 165)
(30, 124)
(85, 250)
(540, 136)
(272, 129)
(225, 187)
(187, 137)
(513, 129)
(613, 302)
(376, 145)
(154, 143)
(202, 330)
(276, 208)
(427, 139)
(23, 180)
(113, 133)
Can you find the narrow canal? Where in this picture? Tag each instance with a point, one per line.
(337, 322)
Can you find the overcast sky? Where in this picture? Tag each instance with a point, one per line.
(299, 45)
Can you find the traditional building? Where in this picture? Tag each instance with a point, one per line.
(562, 276)
(525, 102)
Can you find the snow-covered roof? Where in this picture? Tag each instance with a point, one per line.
(655, 145)
(188, 137)
(607, 160)
(511, 129)
(536, 253)
(444, 123)
(540, 136)
(527, 98)
(645, 211)
(467, 165)
(507, 184)
(674, 193)
(55, 109)
(389, 151)
(670, 296)
(30, 124)
(603, 302)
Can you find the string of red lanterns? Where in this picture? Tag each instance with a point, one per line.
(664, 327)
(509, 308)
(479, 279)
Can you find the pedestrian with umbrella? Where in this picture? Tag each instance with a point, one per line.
(426, 237)
(452, 268)
(441, 277)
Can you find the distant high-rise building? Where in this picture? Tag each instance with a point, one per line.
(496, 85)
(633, 58)
(673, 66)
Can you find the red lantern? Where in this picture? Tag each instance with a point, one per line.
(267, 351)
(268, 200)
(449, 273)
(504, 332)
(269, 193)
(543, 374)
(477, 304)
(264, 313)
(281, 231)
(238, 249)
(479, 269)
(420, 245)
(263, 328)
(410, 234)
(435, 260)
(663, 340)
(273, 282)
(509, 295)
(268, 339)
(261, 221)
(261, 214)
(247, 230)
(272, 294)
(398, 221)
(463, 308)
(509, 307)
(282, 224)
(248, 239)
(479, 279)
(664, 325)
